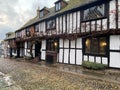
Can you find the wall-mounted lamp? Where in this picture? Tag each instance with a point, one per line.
(55, 44)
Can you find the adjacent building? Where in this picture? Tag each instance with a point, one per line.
(72, 32)
(9, 45)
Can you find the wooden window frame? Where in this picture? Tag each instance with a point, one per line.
(91, 52)
(51, 28)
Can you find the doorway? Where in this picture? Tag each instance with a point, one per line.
(37, 50)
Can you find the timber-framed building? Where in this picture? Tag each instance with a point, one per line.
(72, 32)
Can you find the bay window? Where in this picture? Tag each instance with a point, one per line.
(95, 45)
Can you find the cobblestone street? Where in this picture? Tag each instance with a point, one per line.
(29, 76)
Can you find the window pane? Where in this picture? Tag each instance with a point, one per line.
(87, 44)
(103, 45)
(94, 46)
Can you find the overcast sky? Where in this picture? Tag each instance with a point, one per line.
(14, 13)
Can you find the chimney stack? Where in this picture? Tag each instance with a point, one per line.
(38, 12)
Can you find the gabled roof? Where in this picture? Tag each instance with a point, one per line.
(71, 5)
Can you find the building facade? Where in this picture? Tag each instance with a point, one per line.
(72, 32)
(9, 45)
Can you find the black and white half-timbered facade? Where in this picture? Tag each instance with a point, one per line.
(74, 31)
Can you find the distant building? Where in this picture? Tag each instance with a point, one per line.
(9, 45)
(1, 48)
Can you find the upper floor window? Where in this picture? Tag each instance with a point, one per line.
(95, 45)
(95, 12)
(37, 28)
(51, 24)
(28, 32)
(58, 6)
(41, 13)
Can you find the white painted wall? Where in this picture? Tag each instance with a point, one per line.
(73, 44)
(60, 55)
(64, 24)
(115, 59)
(43, 53)
(70, 31)
(66, 43)
(60, 25)
(72, 56)
(79, 57)
(115, 56)
(66, 52)
(74, 22)
(104, 24)
(93, 26)
(91, 58)
(79, 43)
(98, 25)
(112, 14)
(78, 21)
(104, 60)
(98, 60)
(61, 43)
(118, 13)
(115, 42)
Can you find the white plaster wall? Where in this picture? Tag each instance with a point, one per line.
(68, 23)
(27, 52)
(115, 59)
(66, 43)
(115, 42)
(118, 13)
(88, 27)
(93, 26)
(66, 51)
(79, 43)
(98, 59)
(98, 25)
(115, 56)
(112, 14)
(79, 57)
(43, 53)
(73, 44)
(104, 24)
(72, 56)
(78, 21)
(91, 58)
(71, 24)
(61, 43)
(60, 55)
(33, 51)
(85, 58)
(83, 27)
(74, 22)
(60, 25)
(104, 60)
(57, 25)
(64, 24)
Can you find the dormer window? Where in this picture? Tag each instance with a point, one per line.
(58, 6)
(41, 14)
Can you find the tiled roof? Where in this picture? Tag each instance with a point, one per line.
(71, 5)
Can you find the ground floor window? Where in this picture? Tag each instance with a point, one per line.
(52, 45)
(95, 45)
